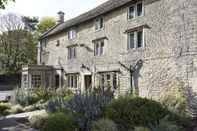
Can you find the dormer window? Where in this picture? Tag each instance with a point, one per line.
(99, 24)
(135, 10)
(72, 34)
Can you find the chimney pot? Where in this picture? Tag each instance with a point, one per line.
(60, 17)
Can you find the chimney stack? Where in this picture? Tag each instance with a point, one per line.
(60, 17)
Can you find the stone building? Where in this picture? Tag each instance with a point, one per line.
(139, 46)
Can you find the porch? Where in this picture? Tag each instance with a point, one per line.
(35, 76)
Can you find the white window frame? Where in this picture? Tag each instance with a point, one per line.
(72, 34)
(105, 82)
(36, 80)
(98, 23)
(135, 32)
(101, 49)
(72, 80)
(72, 52)
(135, 10)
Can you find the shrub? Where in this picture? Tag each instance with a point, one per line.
(130, 112)
(44, 93)
(166, 125)
(104, 125)
(38, 120)
(88, 107)
(4, 107)
(60, 122)
(25, 98)
(141, 129)
(174, 98)
(16, 109)
(64, 92)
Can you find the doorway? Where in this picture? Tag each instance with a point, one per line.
(88, 81)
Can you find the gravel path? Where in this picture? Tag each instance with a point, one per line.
(17, 122)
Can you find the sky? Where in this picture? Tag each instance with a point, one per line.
(41, 8)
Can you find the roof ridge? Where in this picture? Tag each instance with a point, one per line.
(95, 12)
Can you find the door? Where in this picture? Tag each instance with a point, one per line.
(88, 82)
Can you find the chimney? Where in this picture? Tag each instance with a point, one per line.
(60, 17)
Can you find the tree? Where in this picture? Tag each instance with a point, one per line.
(30, 22)
(17, 45)
(45, 24)
(3, 3)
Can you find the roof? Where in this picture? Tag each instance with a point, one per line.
(100, 10)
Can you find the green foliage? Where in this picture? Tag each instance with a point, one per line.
(25, 98)
(166, 125)
(60, 122)
(131, 112)
(3, 3)
(88, 107)
(174, 98)
(16, 109)
(45, 24)
(141, 129)
(64, 92)
(17, 45)
(37, 121)
(43, 93)
(3, 108)
(104, 125)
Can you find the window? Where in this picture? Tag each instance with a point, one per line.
(139, 9)
(108, 80)
(72, 34)
(36, 81)
(58, 43)
(135, 39)
(72, 80)
(131, 14)
(135, 10)
(71, 52)
(25, 78)
(99, 24)
(57, 81)
(139, 39)
(99, 48)
(131, 40)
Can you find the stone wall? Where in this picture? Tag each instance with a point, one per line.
(170, 39)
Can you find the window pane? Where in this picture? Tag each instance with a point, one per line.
(131, 12)
(115, 81)
(101, 23)
(75, 81)
(97, 49)
(69, 53)
(68, 81)
(72, 52)
(139, 39)
(72, 81)
(139, 9)
(97, 24)
(102, 48)
(131, 40)
(102, 81)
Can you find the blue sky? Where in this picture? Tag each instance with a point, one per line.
(42, 8)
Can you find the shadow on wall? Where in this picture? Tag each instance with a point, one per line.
(136, 76)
